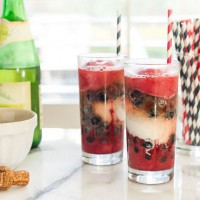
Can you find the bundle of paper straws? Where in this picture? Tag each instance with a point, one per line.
(187, 44)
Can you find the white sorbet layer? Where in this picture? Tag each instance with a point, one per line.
(139, 124)
(105, 110)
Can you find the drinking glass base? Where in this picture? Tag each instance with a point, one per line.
(102, 159)
(150, 177)
(186, 149)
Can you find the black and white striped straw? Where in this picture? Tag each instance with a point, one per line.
(118, 33)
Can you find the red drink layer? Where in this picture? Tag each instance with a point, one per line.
(151, 100)
(101, 106)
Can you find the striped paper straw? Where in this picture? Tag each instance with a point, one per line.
(169, 37)
(118, 33)
(196, 37)
(195, 102)
(196, 79)
(179, 45)
(188, 43)
(198, 66)
(189, 48)
(189, 36)
(198, 107)
(177, 37)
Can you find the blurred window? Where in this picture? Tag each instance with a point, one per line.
(64, 29)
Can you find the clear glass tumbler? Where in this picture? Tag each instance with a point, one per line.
(101, 86)
(151, 111)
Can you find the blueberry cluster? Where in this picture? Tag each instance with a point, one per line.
(137, 98)
(92, 123)
(111, 92)
(154, 106)
(138, 146)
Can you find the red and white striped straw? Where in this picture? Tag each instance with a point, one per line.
(169, 37)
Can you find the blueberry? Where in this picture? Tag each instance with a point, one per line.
(84, 118)
(102, 128)
(136, 149)
(172, 138)
(152, 113)
(147, 156)
(138, 104)
(135, 140)
(101, 96)
(117, 129)
(86, 129)
(90, 96)
(90, 139)
(99, 131)
(86, 110)
(148, 145)
(163, 159)
(164, 147)
(137, 98)
(134, 94)
(95, 121)
(170, 113)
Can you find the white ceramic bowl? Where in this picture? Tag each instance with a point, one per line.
(16, 135)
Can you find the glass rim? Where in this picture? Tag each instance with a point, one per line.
(101, 56)
(150, 62)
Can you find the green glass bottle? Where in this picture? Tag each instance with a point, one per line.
(19, 63)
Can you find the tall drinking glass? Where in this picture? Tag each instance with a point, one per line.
(151, 110)
(101, 85)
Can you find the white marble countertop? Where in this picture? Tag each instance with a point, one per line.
(57, 173)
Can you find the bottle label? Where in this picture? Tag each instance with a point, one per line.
(15, 95)
(14, 32)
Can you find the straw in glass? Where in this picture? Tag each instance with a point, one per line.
(169, 37)
(118, 33)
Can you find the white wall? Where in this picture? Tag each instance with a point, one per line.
(60, 116)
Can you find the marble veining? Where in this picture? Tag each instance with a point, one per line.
(57, 173)
(53, 185)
